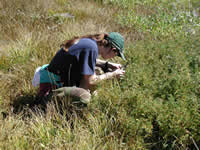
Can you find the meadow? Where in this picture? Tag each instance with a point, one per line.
(156, 106)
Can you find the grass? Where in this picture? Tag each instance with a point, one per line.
(156, 105)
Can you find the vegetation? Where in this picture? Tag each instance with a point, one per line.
(156, 105)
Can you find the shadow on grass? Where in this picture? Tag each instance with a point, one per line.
(23, 102)
(157, 142)
(28, 104)
(19, 104)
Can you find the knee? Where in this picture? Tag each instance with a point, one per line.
(82, 94)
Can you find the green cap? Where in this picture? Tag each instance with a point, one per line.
(117, 40)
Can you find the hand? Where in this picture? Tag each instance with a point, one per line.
(119, 73)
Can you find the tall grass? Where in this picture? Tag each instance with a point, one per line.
(156, 105)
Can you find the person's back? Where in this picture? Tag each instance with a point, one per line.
(80, 59)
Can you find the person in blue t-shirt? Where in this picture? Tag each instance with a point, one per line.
(72, 69)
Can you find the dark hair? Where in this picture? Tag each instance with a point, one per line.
(101, 40)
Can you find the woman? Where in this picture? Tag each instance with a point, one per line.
(72, 69)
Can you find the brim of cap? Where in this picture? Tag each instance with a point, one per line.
(122, 55)
(118, 48)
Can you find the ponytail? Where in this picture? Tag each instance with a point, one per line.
(99, 38)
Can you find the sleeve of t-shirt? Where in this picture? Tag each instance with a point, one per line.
(87, 61)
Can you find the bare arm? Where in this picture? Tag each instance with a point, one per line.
(118, 73)
(89, 81)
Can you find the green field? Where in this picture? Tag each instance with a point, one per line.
(156, 106)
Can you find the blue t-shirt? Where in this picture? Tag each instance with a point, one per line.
(86, 52)
(78, 61)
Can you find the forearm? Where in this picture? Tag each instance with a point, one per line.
(98, 78)
(89, 82)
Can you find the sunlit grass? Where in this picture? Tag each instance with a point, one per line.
(156, 105)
